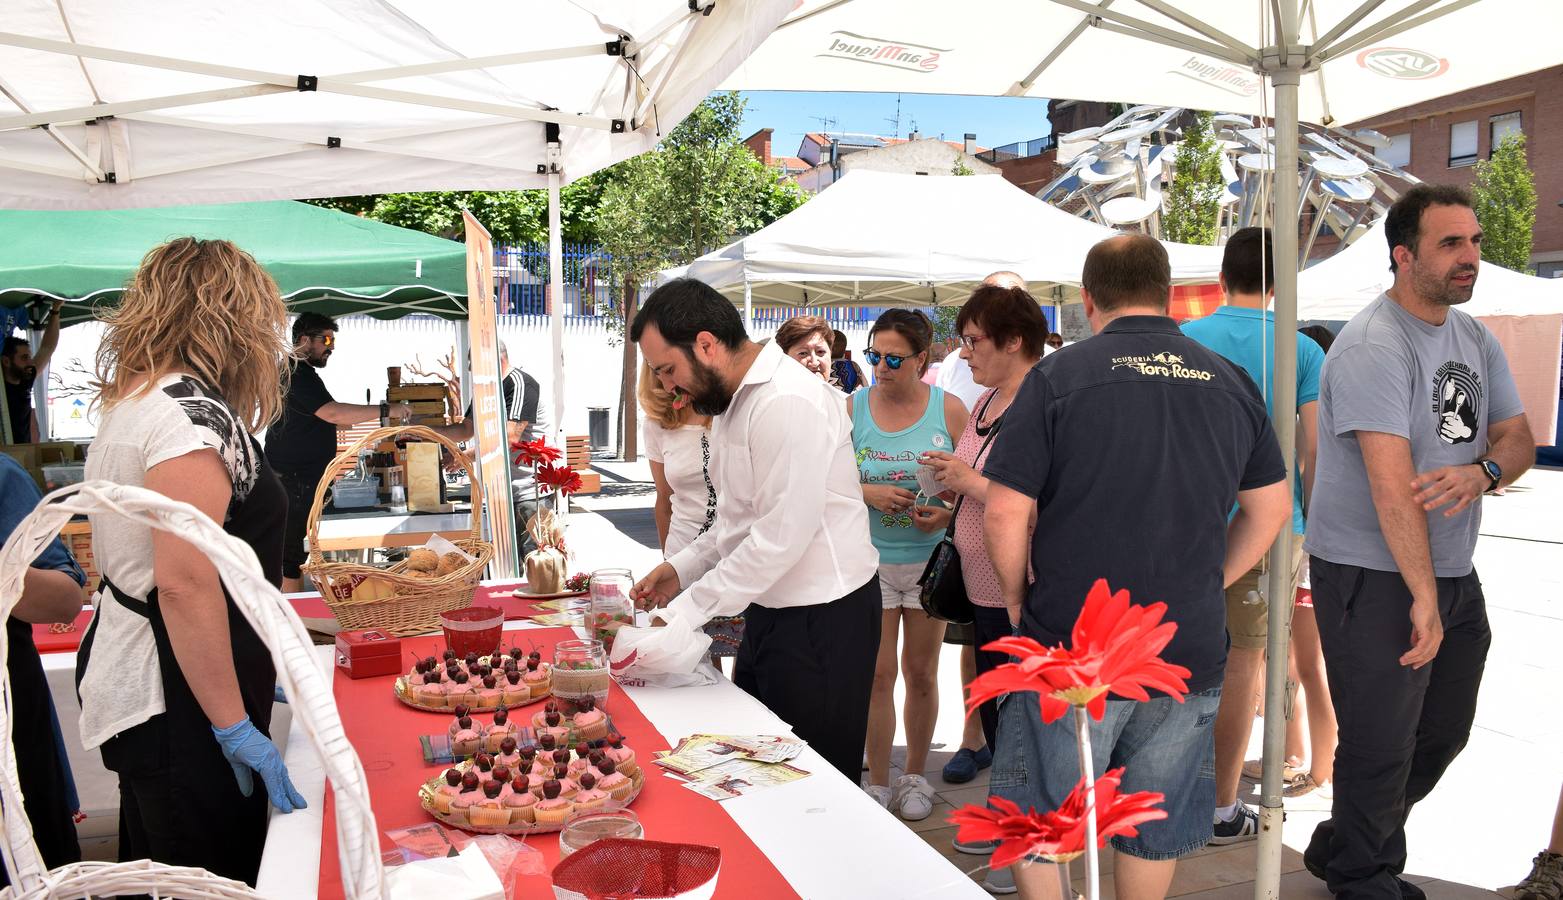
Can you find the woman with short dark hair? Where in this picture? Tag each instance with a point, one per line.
(808, 340)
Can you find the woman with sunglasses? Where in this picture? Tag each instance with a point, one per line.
(893, 423)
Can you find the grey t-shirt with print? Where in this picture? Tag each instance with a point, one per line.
(1438, 386)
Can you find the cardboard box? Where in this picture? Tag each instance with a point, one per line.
(368, 654)
(423, 476)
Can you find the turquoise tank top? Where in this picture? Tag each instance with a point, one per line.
(891, 458)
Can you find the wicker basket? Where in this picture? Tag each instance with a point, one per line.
(298, 671)
(416, 605)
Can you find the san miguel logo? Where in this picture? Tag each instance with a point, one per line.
(1219, 75)
(895, 54)
(1401, 63)
(1163, 364)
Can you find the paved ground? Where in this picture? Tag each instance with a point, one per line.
(1475, 834)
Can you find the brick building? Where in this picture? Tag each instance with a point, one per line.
(759, 144)
(1441, 140)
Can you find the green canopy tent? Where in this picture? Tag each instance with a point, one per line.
(323, 260)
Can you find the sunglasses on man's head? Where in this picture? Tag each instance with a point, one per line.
(891, 360)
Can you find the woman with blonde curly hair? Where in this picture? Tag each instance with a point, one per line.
(176, 688)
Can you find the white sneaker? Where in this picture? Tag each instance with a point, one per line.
(880, 793)
(914, 797)
(1000, 881)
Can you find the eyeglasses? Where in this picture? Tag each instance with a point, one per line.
(970, 341)
(891, 360)
(328, 339)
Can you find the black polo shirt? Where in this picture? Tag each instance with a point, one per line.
(1135, 444)
(301, 444)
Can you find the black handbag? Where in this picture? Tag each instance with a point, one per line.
(943, 593)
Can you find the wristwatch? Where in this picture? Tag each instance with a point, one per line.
(1494, 474)
(385, 410)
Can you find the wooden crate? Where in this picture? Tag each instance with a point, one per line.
(416, 392)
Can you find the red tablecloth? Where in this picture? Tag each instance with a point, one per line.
(311, 607)
(386, 733)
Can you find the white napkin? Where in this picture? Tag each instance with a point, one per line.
(467, 876)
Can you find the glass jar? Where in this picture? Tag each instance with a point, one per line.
(611, 606)
(580, 671)
(583, 828)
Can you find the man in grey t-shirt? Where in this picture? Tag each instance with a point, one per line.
(1418, 418)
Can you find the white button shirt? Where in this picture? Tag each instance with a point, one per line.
(790, 529)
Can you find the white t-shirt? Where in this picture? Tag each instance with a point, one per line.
(955, 378)
(685, 455)
(122, 686)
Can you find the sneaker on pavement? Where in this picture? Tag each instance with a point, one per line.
(1545, 881)
(975, 848)
(965, 765)
(880, 793)
(913, 797)
(1243, 827)
(1000, 881)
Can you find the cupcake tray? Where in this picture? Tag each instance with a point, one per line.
(426, 797)
(400, 690)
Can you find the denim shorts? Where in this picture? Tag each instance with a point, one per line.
(1164, 746)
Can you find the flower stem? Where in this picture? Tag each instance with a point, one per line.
(1088, 772)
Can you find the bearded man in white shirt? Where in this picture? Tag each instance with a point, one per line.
(790, 551)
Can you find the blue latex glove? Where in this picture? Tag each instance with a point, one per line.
(246, 748)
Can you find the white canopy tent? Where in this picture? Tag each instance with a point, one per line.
(125, 103)
(1340, 286)
(1321, 61)
(883, 239)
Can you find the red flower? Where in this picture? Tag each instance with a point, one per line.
(1059, 836)
(1115, 649)
(563, 479)
(534, 453)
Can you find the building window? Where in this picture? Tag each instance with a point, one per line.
(1462, 144)
(1398, 153)
(1500, 127)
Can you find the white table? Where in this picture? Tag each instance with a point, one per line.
(391, 530)
(824, 835)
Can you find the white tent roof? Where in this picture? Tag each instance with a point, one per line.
(882, 239)
(118, 103)
(1372, 55)
(1340, 286)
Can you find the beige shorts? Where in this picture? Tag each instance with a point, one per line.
(1247, 622)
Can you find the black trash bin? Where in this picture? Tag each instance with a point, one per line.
(597, 427)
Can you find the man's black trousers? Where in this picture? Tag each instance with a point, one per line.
(1400, 728)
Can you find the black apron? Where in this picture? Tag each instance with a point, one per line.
(41, 771)
(179, 801)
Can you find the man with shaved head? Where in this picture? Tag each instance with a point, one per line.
(1131, 449)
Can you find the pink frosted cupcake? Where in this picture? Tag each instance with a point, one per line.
(622, 756)
(513, 691)
(552, 809)
(467, 739)
(591, 723)
(488, 694)
(461, 693)
(521, 802)
(537, 678)
(470, 794)
(431, 692)
(489, 812)
(590, 797)
(483, 765)
(615, 783)
(502, 728)
(447, 792)
(550, 716)
(507, 755)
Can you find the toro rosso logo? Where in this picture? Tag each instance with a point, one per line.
(880, 52)
(1399, 62)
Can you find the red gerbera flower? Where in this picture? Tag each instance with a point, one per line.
(534, 453)
(563, 479)
(1059, 836)
(1115, 649)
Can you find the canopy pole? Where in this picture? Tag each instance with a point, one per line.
(556, 307)
(1286, 76)
(748, 309)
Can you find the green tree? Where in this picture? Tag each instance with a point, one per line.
(1194, 198)
(1505, 197)
(960, 167)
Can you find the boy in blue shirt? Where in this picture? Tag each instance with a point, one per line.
(1243, 331)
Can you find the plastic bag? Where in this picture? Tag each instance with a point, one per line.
(509, 859)
(674, 649)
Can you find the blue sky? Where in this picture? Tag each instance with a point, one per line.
(995, 120)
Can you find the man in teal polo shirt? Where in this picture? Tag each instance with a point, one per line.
(1243, 331)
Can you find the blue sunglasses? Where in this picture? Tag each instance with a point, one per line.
(893, 361)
